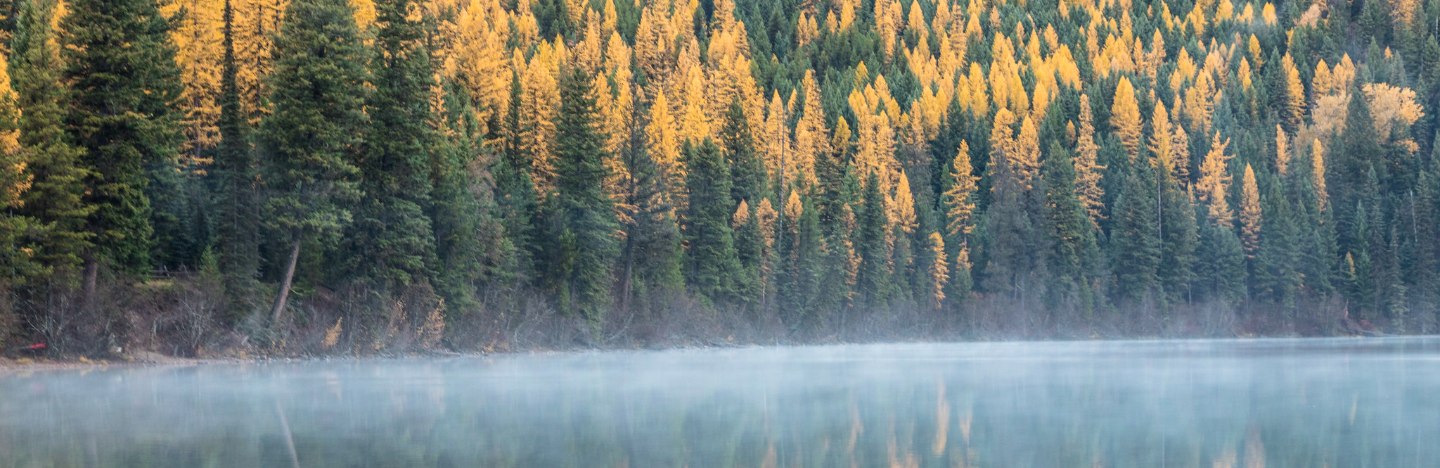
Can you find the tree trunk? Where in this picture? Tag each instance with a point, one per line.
(284, 294)
(92, 278)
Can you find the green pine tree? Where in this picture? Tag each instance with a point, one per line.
(747, 171)
(469, 239)
(57, 186)
(1068, 225)
(800, 245)
(1135, 245)
(651, 258)
(1221, 277)
(515, 194)
(17, 262)
(1180, 237)
(580, 217)
(711, 263)
(872, 281)
(121, 69)
(236, 201)
(391, 241)
(312, 136)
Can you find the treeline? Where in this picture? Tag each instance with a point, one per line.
(384, 174)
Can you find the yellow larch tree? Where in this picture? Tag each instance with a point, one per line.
(1250, 218)
(1024, 154)
(1162, 140)
(477, 60)
(1200, 100)
(847, 14)
(619, 114)
(812, 140)
(939, 273)
(775, 138)
(1180, 154)
(256, 24)
(959, 198)
(973, 91)
(1317, 173)
(588, 54)
(198, 39)
(364, 15)
(1293, 114)
(663, 140)
(806, 30)
(1087, 164)
(539, 103)
(524, 26)
(887, 24)
(1214, 184)
(654, 44)
(1282, 150)
(1243, 72)
(694, 123)
(1125, 118)
(902, 208)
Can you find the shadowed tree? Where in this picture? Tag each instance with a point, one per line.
(312, 136)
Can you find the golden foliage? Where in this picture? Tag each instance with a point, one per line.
(1125, 118)
(539, 103)
(1317, 173)
(1087, 164)
(199, 49)
(902, 207)
(1293, 113)
(1214, 184)
(17, 181)
(960, 197)
(1250, 218)
(1282, 150)
(939, 273)
(1392, 108)
(812, 140)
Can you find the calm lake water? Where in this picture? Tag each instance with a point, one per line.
(1304, 402)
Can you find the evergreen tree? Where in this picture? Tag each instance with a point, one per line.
(16, 254)
(1067, 223)
(1221, 277)
(120, 65)
(580, 218)
(1011, 246)
(747, 171)
(1136, 248)
(312, 136)
(873, 278)
(799, 247)
(1354, 148)
(55, 199)
(711, 263)
(469, 241)
(391, 241)
(237, 202)
(749, 252)
(1179, 239)
(1277, 276)
(650, 265)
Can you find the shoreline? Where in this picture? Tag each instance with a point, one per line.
(11, 366)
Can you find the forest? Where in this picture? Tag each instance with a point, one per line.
(256, 177)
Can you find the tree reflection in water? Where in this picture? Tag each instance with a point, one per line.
(1185, 403)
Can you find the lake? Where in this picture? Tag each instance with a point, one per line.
(1212, 403)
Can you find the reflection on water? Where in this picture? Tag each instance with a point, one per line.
(1339, 403)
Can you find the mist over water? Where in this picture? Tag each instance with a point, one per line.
(1303, 402)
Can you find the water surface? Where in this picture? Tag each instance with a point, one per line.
(1303, 402)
